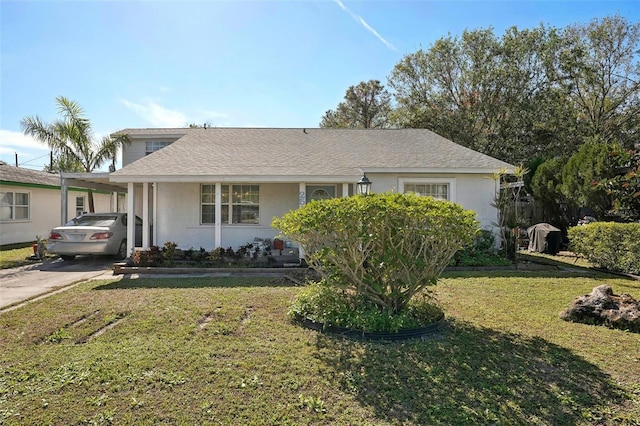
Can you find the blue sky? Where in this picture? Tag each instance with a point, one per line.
(229, 63)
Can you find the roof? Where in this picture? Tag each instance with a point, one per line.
(268, 154)
(19, 175)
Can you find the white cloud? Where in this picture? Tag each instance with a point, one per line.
(368, 27)
(30, 152)
(157, 115)
(12, 141)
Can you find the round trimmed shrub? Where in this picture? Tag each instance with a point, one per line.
(382, 248)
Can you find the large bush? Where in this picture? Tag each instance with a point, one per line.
(614, 246)
(384, 247)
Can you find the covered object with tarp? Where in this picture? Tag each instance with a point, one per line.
(544, 238)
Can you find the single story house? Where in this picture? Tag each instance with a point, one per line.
(30, 200)
(222, 187)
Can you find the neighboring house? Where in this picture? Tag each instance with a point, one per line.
(222, 187)
(30, 203)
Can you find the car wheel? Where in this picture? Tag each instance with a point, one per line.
(67, 258)
(122, 251)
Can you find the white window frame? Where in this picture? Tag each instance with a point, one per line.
(227, 203)
(212, 203)
(12, 207)
(451, 182)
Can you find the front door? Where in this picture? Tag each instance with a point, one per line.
(320, 192)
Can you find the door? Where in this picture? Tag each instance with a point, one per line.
(320, 192)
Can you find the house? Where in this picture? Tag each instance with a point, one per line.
(30, 203)
(222, 187)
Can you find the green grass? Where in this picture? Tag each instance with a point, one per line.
(12, 258)
(223, 351)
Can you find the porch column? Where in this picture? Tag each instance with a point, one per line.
(345, 189)
(145, 215)
(154, 214)
(131, 219)
(64, 193)
(217, 239)
(302, 200)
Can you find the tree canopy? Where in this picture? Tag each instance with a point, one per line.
(71, 140)
(529, 93)
(366, 105)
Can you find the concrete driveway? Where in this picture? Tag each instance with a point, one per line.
(30, 281)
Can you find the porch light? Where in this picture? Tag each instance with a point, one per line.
(364, 185)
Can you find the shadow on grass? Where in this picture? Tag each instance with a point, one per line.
(196, 282)
(470, 376)
(543, 273)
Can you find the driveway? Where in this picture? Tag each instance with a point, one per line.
(27, 282)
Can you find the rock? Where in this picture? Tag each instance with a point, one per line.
(603, 307)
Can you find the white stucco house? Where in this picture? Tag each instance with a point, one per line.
(30, 200)
(222, 187)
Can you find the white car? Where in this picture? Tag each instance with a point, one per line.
(93, 233)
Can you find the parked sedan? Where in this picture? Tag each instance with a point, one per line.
(93, 233)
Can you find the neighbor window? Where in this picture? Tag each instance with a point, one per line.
(14, 205)
(439, 188)
(79, 206)
(155, 146)
(240, 204)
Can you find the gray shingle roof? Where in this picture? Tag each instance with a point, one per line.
(12, 174)
(272, 153)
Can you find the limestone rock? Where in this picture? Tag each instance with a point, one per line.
(603, 307)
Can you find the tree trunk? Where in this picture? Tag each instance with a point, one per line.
(90, 196)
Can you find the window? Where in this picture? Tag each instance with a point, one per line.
(245, 203)
(79, 206)
(155, 146)
(208, 204)
(14, 205)
(438, 188)
(240, 204)
(435, 190)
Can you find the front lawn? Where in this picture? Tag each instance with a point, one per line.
(11, 258)
(223, 351)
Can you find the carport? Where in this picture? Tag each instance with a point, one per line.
(100, 182)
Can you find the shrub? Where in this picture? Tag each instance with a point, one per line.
(385, 247)
(169, 253)
(217, 256)
(482, 252)
(151, 257)
(324, 303)
(613, 246)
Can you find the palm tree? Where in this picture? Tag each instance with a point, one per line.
(71, 140)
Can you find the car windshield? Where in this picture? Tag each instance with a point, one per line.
(92, 221)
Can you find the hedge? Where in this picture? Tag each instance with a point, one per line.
(608, 245)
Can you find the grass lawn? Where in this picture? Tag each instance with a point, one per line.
(15, 257)
(223, 351)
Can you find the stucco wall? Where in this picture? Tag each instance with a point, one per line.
(473, 192)
(178, 209)
(45, 205)
(178, 216)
